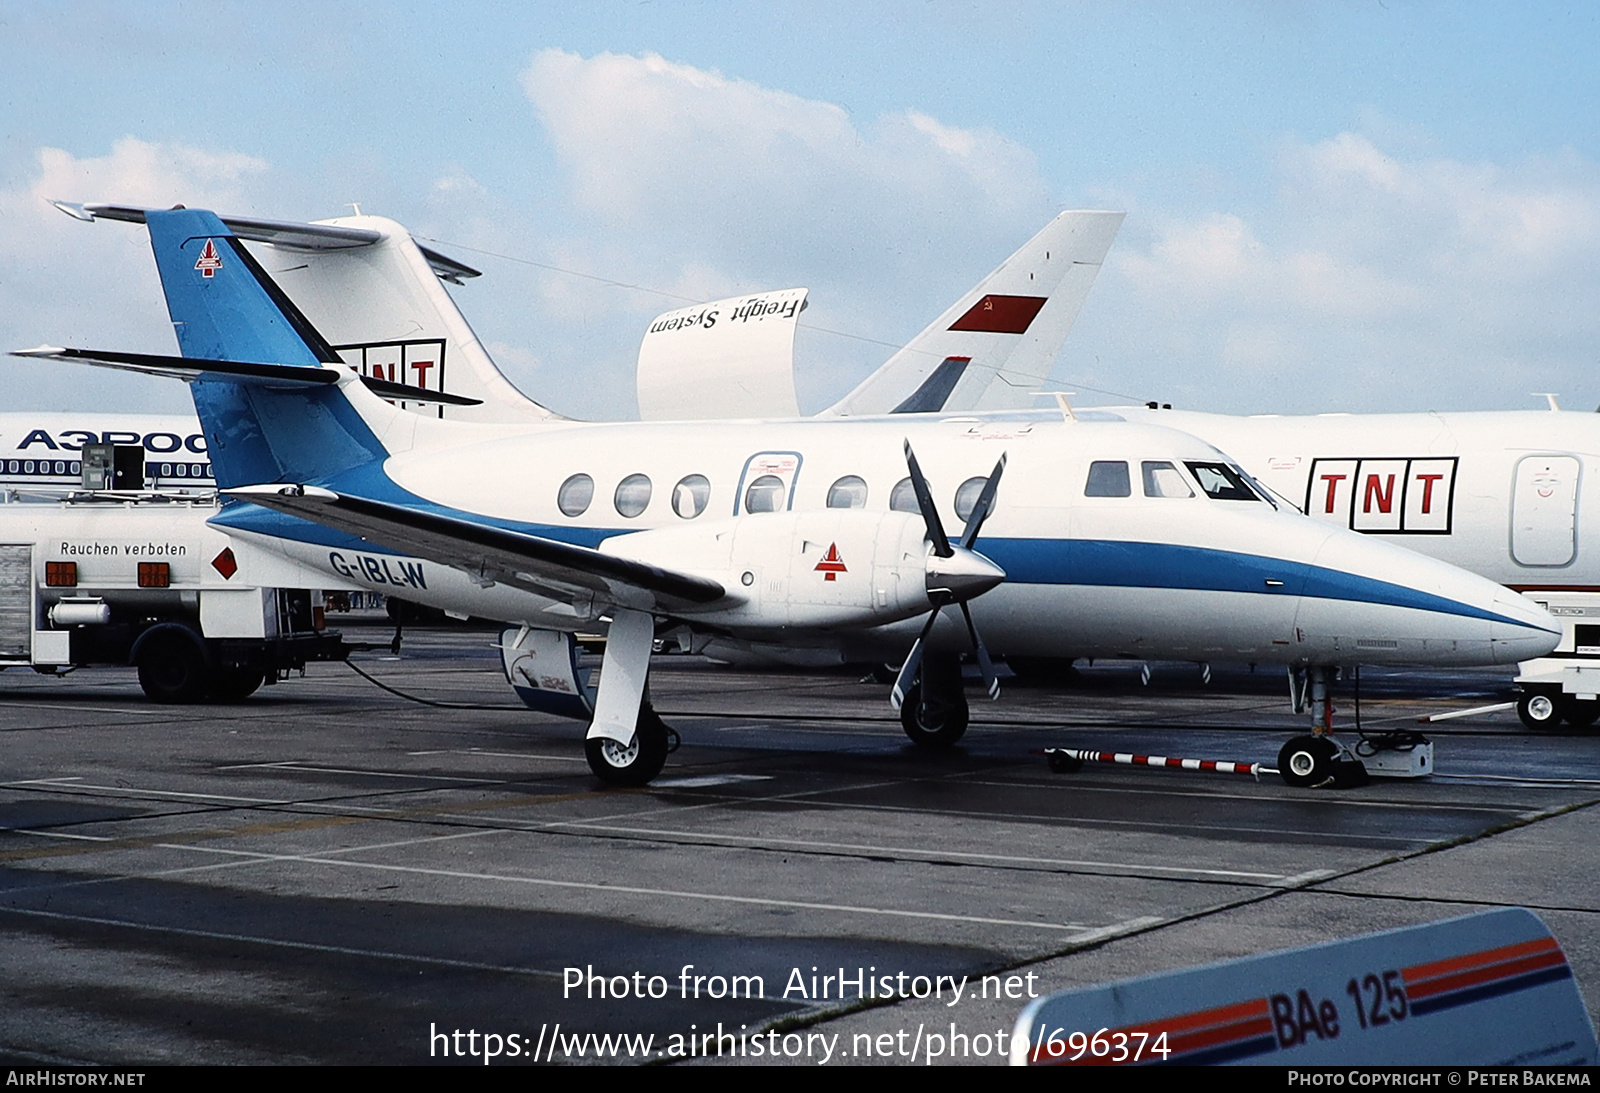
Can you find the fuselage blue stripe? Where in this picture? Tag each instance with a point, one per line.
(1093, 562)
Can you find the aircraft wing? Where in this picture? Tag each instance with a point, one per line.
(546, 567)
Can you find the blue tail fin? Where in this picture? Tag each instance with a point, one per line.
(224, 306)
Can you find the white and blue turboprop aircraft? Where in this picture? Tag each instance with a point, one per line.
(1112, 539)
(1504, 494)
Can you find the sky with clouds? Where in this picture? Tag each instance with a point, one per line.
(1340, 206)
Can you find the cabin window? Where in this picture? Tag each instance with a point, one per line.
(967, 497)
(765, 494)
(1222, 482)
(850, 492)
(903, 498)
(633, 495)
(1162, 479)
(690, 495)
(575, 494)
(1108, 478)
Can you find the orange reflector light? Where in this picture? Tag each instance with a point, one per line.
(154, 574)
(61, 574)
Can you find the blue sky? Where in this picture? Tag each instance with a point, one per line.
(1346, 206)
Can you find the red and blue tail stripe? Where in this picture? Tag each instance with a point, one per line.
(1461, 980)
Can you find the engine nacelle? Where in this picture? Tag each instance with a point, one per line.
(837, 568)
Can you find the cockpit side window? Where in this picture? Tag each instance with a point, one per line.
(1162, 479)
(1108, 478)
(1222, 482)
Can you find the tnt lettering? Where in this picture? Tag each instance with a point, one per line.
(1407, 496)
(1333, 481)
(1384, 495)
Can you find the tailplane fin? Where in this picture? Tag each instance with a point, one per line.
(376, 295)
(224, 307)
(994, 347)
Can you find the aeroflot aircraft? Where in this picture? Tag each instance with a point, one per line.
(1078, 537)
(45, 449)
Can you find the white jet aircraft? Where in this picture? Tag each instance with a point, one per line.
(1104, 538)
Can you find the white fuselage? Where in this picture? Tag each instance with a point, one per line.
(1181, 577)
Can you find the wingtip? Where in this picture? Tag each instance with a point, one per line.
(73, 209)
(40, 351)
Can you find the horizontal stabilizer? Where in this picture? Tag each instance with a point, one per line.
(545, 566)
(271, 375)
(191, 368)
(283, 233)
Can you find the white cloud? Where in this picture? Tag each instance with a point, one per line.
(706, 185)
(1374, 280)
(95, 285)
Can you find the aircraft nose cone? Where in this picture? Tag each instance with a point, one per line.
(1530, 633)
(1381, 604)
(963, 575)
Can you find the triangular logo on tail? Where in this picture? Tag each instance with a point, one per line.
(210, 261)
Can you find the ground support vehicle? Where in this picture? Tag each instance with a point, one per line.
(104, 578)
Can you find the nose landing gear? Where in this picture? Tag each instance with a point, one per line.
(1317, 759)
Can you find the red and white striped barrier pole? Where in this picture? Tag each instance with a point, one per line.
(1070, 759)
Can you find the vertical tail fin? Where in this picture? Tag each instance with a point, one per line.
(384, 310)
(1008, 329)
(225, 307)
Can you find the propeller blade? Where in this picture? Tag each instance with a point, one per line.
(908, 671)
(930, 515)
(984, 504)
(985, 665)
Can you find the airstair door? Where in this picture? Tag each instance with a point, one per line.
(1544, 511)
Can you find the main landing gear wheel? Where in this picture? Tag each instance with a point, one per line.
(1308, 761)
(636, 762)
(938, 722)
(1539, 711)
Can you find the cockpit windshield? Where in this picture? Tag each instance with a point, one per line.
(1222, 482)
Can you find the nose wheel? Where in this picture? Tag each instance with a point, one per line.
(1307, 761)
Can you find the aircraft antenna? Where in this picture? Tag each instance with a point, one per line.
(1061, 402)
